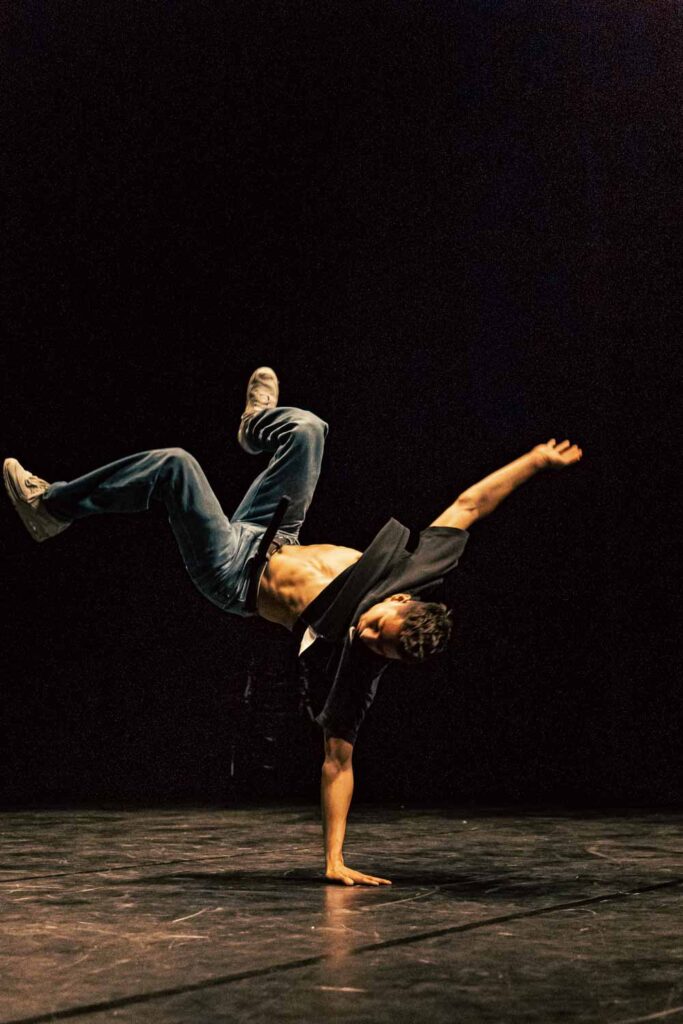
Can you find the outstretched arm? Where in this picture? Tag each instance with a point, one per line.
(481, 499)
(336, 790)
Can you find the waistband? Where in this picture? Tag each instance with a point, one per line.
(256, 571)
(267, 547)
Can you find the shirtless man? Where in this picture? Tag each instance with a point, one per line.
(219, 552)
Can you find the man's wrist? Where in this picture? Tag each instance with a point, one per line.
(537, 459)
(334, 861)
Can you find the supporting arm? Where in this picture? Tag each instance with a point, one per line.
(336, 790)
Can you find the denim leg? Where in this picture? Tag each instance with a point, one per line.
(296, 438)
(170, 475)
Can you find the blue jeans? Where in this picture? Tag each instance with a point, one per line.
(217, 551)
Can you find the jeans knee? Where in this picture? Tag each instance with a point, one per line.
(177, 456)
(310, 425)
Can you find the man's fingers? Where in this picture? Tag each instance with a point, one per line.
(370, 880)
(561, 454)
(357, 878)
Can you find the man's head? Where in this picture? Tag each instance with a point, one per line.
(405, 630)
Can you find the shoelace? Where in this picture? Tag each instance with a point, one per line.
(34, 482)
(261, 395)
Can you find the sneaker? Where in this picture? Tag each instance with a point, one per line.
(26, 494)
(262, 393)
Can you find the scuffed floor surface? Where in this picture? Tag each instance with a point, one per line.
(203, 916)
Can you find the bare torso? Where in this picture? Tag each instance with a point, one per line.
(295, 575)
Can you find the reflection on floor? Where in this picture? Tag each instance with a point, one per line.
(224, 915)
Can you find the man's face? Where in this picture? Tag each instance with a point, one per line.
(380, 626)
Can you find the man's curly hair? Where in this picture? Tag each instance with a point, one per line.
(426, 630)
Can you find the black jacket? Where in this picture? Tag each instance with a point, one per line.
(386, 567)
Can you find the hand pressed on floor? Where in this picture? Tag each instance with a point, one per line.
(347, 876)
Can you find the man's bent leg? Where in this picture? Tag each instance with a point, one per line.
(169, 475)
(296, 438)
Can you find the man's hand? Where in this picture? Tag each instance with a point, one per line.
(555, 456)
(347, 876)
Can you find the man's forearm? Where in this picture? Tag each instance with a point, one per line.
(489, 492)
(336, 790)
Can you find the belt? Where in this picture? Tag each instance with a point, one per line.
(267, 547)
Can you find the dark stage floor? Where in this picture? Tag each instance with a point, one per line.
(222, 915)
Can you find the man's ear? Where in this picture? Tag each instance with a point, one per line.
(401, 597)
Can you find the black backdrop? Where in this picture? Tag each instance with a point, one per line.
(450, 227)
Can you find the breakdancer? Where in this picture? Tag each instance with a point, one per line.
(351, 612)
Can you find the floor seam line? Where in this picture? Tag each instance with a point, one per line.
(209, 983)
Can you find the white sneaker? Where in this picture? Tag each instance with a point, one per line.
(263, 391)
(26, 494)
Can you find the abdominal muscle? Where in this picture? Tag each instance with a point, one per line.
(295, 575)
